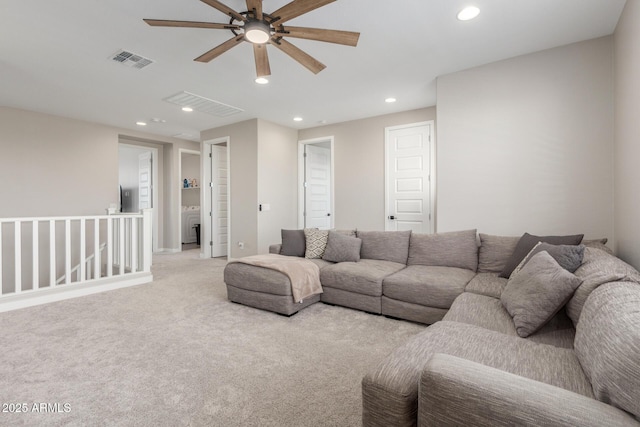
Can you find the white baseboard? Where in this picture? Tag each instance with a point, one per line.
(168, 251)
(63, 292)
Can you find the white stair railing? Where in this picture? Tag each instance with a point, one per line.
(37, 255)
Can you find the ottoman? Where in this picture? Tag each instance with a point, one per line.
(262, 288)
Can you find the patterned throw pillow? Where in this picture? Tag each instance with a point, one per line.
(316, 242)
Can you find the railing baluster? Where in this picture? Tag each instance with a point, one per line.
(52, 253)
(121, 256)
(67, 251)
(109, 246)
(134, 245)
(83, 250)
(36, 255)
(18, 256)
(96, 248)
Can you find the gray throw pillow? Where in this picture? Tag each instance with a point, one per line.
(316, 242)
(528, 241)
(293, 243)
(342, 248)
(568, 256)
(537, 293)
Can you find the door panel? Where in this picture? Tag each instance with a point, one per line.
(219, 197)
(408, 173)
(317, 187)
(144, 181)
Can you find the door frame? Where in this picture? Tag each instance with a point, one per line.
(301, 176)
(205, 196)
(182, 151)
(155, 189)
(432, 168)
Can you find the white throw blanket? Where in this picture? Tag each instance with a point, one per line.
(303, 274)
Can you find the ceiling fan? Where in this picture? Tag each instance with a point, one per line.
(259, 28)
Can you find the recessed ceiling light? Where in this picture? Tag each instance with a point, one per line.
(157, 120)
(468, 13)
(262, 80)
(141, 123)
(297, 119)
(390, 100)
(187, 109)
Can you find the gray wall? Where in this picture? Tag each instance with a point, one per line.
(277, 178)
(359, 165)
(526, 144)
(243, 171)
(627, 128)
(263, 170)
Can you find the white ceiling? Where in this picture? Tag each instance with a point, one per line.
(55, 57)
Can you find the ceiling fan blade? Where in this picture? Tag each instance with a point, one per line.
(224, 9)
(262, 60)
(189, 24)
(295, 9)
(348, 38)
(303, 58)
(220, 49)
(255, 5)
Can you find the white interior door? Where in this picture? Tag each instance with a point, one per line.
(219, 197)
(409, 190)
(144, 181)
(317, 187)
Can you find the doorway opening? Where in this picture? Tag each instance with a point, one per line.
(137, 178)
(216, 229)
(189, 197)
(316, 183)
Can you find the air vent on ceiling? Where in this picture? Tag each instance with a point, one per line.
(202, 104)
(131, 59)
(186, 136)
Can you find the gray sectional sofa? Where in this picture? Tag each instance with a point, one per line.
(477, 364)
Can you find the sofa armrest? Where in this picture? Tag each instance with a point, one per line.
(454, 391)
(275, 249)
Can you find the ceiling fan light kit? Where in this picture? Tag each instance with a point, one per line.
(261, 29)
(257, 31)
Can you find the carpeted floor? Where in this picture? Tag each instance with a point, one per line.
(175, 352)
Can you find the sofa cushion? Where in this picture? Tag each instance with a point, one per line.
(342, 248)
(537, 293)
(489, 284)
(568, 256)
(489, 313)
(494, 252)
(528, 241)
(452, 249)
(428, 286)
(385, 245)
(391, 389)
(363, 277)
(316, 242)
(608, 344)
(293, 243)
(598, 267)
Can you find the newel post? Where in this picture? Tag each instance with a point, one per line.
(147, 239)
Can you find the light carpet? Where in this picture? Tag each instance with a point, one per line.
(176, 352)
